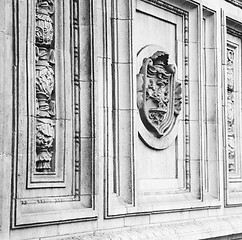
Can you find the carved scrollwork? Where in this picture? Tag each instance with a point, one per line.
(45, 85)
(159, 99)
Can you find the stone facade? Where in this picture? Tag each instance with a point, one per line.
(120, 119)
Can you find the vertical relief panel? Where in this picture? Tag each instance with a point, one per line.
(163, 100)
(232, 85)
(163, 93)
(51, 160)
(45, 88)
(177, 106)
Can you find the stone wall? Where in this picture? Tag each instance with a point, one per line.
(120, 119)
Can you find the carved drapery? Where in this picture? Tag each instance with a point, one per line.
(159, 100)
(231, 110)
(45, 85)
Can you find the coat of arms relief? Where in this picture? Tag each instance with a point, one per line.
(159, 94)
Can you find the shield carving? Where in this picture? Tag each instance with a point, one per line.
(159, 94)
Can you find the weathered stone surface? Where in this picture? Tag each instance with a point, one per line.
(103, 137)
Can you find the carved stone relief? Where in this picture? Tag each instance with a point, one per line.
(230, 109)
(159, 94)
(45, 85)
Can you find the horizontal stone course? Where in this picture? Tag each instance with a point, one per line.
(192, 229)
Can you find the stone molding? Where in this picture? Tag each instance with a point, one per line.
(237, 3)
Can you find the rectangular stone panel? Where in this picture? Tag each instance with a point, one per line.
(232, 84)
(54, 168)
(162, 170)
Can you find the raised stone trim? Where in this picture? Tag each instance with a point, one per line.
(237, 3)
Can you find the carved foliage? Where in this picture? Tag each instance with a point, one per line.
(231, 110)
(45, 85)
(159, 101)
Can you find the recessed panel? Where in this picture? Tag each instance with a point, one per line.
(160, 153)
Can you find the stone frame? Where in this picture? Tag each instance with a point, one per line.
(39, 202)
(234, 28)
(117, 205)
